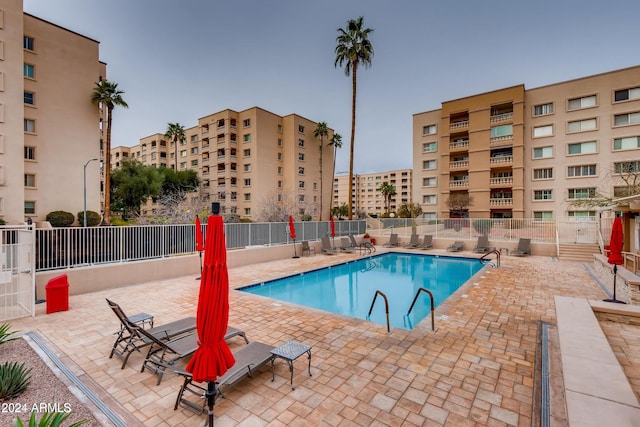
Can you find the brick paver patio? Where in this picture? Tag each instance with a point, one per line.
(477, 368)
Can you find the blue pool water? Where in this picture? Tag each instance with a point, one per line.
(349, 288)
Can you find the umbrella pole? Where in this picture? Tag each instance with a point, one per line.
(210, 394)
(615, 275)
(295, 255)
(200, 253)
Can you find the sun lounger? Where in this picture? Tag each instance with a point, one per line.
(427, 242)
(346, 246)
(413, 242)
(307, 248)
(248, 359)
(524, 248)
(483, 245)
(365, 245)
(326, 246)
(393, 241)
(456, 247)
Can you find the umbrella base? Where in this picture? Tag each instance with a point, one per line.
(295, 256)
(617, 301)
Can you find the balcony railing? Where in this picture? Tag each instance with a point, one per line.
(459, 125)
(500, 202)
(459, 145)
(501, 117)
(459, 183)
(504, 138)
(501, 160)
(459, 164)
(501, 181)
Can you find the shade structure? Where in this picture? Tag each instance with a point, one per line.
(213, 357)
(615, 253)
(199, 246)
(333, 228)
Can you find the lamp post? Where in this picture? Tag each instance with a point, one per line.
(84, 177)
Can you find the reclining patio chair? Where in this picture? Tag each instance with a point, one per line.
(307, 248)
(346, 245)
(393, 241)
(365, 245)
(456, 247)
(427, 242)
(413, 242)
(483, 245)
(524, 248)
(326, 246)
(248, 359)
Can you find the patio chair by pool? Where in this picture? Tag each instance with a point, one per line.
(427, 242)
(456, 247)
(307, 248)
(248, 359)
(413, 242)
(524, 248)
(393, 241)
(346, 245)
(364, 245)
(326, 246)
(483, 245)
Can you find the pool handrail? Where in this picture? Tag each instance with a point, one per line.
(433, 321)
(493, 251)
(386, 307)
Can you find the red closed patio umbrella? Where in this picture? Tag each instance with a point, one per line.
(333, 230)
(292, 233)
(615, 253)
(213, 357)
(199, 246)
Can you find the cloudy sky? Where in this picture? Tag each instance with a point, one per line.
(181, 60)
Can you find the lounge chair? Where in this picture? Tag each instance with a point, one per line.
(346, 245)
(393, 241)
(413, 242)
(248, 359)
(364, 245)
(427, 242)
(307, 248)
(456, 247)
(524, 248)
(483, 245)
(326, 246)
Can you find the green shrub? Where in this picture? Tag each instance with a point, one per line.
(60, 218)
(14, 379)
(49, 419)
(93, 218)
(245, 220)
(5, 334)
(2, 222)
(305, 217)
(483, 226)
(118, 222)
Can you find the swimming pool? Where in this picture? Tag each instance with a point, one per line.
(349, 288)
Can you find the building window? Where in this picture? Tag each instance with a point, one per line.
(626, 167)
(279, 170)
(429, 164)
(29, 71)
(583, 214)
(247, 167)
(301, 156)
(315, 185)
(543, 195)
(542, 215)
(29, 125)
(582, 193)
(183, 165)
(279, 197)
(429, 182)
(247, 197)
(583, 102)
(301, 143)
(29, 98)
(301, 197)
(626, 119)
(502, 130)
(300, 129)
(429, 130)
(279, 142)
(300, 184)
(582, 148)
(247, 182)
(300, 171)
(194, 150)
(429, 199)
(193, 162)
(183, 153)
(246, 137)
(429, 215)
(542, 152)
(627, 94)
(429, 147)
(247, 152)
(27, 43)
(279, 156)
(246, 123)
(543, 109)
(194, 138)
(627, 143)
(247, 211)
(581, 170)
(279, 128)
(29, 180)
(29, 207)
(544, 173)
(279, 184)
(542, 131)
(582, 125)
(30, 153)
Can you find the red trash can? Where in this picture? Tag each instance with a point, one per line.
(57, 290)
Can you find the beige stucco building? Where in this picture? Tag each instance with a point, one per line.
(245, 157)
(366, 198)
(530, 153)
(47, 76)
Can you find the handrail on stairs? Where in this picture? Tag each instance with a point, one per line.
(433, 321)
(482, 259)
(386, 307)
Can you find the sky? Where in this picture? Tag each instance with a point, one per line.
(178, 61)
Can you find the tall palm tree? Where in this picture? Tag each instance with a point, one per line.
(387, 190)
(321, 131)
(336, 142)
(354, 49)
(108, 95)
(175, 132)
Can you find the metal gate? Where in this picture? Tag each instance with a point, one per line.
(17, 271)
(577, 230)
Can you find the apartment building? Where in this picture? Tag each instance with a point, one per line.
(245, 157)
(366, 197)
(529, 153)
(47, 76)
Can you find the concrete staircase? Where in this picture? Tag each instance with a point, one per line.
(582, 252)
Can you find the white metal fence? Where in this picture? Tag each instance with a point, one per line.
(17, 271)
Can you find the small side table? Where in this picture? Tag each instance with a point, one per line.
(290, 351)
(142, 319)
(504, 249)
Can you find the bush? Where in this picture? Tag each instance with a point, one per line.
(305, 217)
(49, 419)
(60, 218)
(93, 218)
(14, 380)
(118, 222)
(244, 220)
(2, 222)
(483, 226)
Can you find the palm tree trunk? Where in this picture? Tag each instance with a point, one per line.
(321, 147)
(333, 173)
(353, 137)
(107, 172)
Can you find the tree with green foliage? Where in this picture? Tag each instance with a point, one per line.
(175, 132)
(340, 211)
(335, 142)
(321, 131)
(354, 49)
(388, 191)
(107, 94)
(179, 181)
(409, 210)
(133, 184)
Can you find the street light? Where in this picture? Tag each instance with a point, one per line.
(84, 176)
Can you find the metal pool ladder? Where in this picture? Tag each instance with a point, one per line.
(386, 308)
(433, 321)
(483, 259)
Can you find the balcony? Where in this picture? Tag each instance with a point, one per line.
(498, 118)
(502, 181)
(460, 164)
(462, 183)
(459, 145)
(504, 138)
(501, 160)
(459, 125)
(494, 203)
